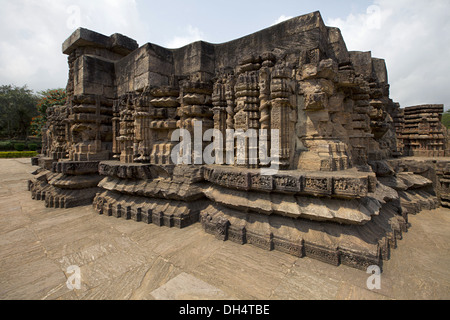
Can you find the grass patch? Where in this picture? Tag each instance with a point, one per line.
(18, 154)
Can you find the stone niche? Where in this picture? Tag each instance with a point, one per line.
(334, 196)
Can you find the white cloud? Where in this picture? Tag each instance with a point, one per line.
(281, 19)
(32, 33)
(26, 44)
(192, 34)
(414, 39)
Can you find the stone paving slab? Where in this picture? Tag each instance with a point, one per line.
(121, 259)
(186, 286)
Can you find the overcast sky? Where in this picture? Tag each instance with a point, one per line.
(413, 36)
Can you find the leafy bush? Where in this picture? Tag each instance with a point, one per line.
(6, 146)
(18, 154)
(32, 146)
(19, 146)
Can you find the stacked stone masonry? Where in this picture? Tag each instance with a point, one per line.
(421, 132)
(337, 194)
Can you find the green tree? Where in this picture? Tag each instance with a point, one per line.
(47, 98)
(446, 119)
(17, 108)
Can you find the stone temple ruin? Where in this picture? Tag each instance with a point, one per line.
(343, 190)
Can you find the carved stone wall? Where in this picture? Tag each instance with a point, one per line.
(422, 133)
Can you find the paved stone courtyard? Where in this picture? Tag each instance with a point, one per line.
(121, 259)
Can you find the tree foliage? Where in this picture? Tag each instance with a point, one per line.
(446, 119)
(17, 108)
(50, 98)
(47, 98)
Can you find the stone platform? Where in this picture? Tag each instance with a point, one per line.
(121, 259)
(349, 217)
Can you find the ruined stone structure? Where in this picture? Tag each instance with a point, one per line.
(335, 197)
(421, 132)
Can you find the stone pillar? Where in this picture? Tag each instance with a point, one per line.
(126, 132)
(219, 102)
(141, 124)
(116, 129)
(361, 136)
(280, 114)
(196, 105)
(162, 122)
(230, 98)
(56, 133)
(264, 98)
(247, 114)
(231, 104)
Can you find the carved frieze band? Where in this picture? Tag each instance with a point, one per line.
(344, 186)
